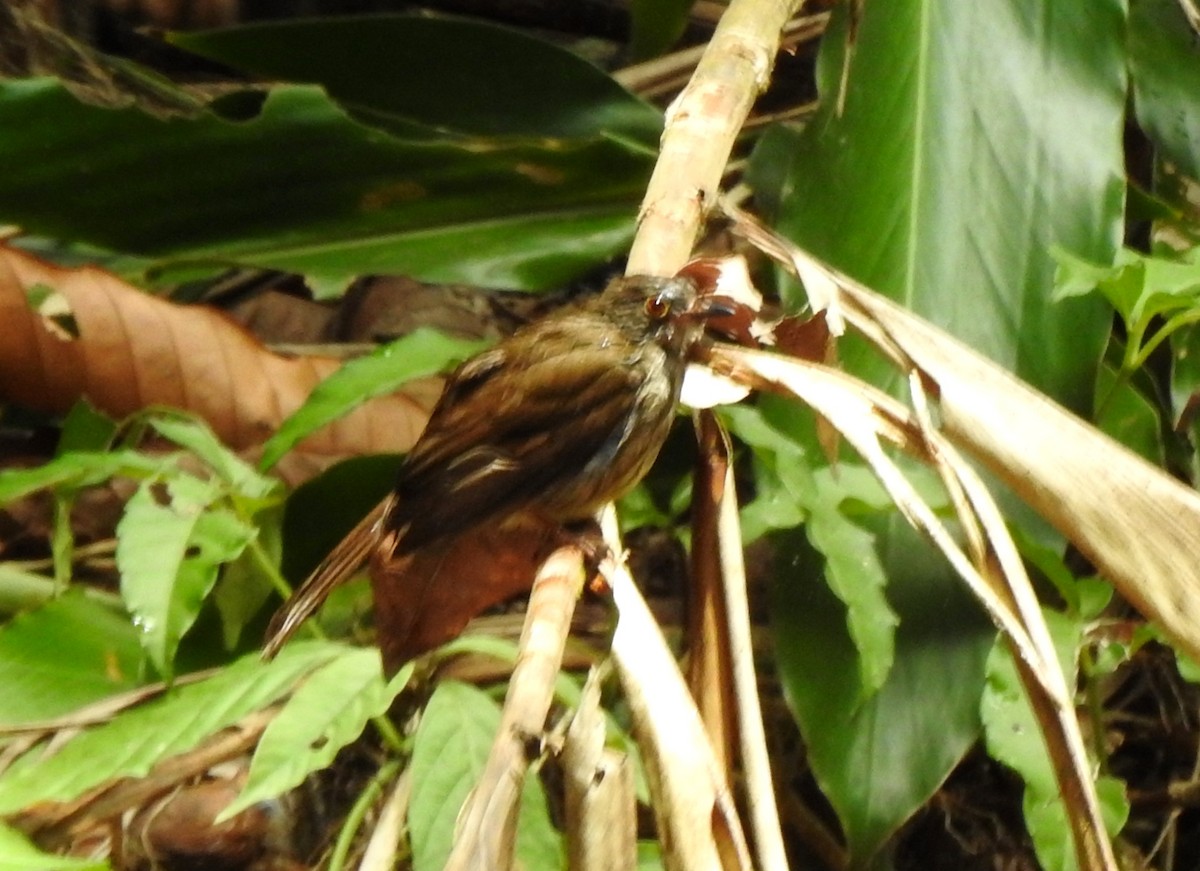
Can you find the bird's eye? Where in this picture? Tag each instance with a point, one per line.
(658, 307)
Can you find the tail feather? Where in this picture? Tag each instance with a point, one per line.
(338, 567)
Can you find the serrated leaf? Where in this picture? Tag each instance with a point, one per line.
(327, 712)
(852, 567)
(18, 854)
(64, 655)
(1013, 737)
(200, 440)
(135, 740)
(420, 353)
(74, 471)
(449, 754)
(169, 556)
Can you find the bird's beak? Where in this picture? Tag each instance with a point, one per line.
(726, 317)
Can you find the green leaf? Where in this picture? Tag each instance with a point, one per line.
(1165, 65)
(135, 740)
(326, 713)
(656, 25)
(937, 187)
(66, 654)
(320, 512)
(244, 587)
(196, 436)
(449, 753)
(169, 555)
(347, 200)
(790, 491)
(1014, 737)
(879, 758)
(1125, 414)
(85, 429)
(1138, 286)
(420, 353)
(491, 80)
(18, 854)
(72, 471)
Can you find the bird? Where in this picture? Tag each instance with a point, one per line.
(566, 414)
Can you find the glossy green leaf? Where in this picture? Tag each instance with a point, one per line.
(420, 353)
(449, 753)
(18, 854)
(301, 186)
(62, 656)
(879, 757)
(444, 74)
(169, 555)
(970, 138)
(131, 743)
(1164, 59)
(325, 714)
(1014, 738)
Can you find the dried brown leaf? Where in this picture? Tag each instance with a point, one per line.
(131, 350)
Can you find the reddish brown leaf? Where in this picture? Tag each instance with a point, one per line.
(130, 350)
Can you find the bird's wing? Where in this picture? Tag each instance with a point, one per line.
(496, 442)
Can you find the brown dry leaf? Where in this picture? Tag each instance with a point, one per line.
(130, 350)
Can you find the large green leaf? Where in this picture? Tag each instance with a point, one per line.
(449, 754)
(1164, 59)
(64, 655)
(302, 187)
(131, 743)
(169, 555)
(443, 74)
(325, 714)
(970, 138)
(879, 757)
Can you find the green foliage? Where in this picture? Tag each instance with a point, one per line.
(422, 352)
(327, 712)
(1154, 296)
(492, 81)
(132, 742)
(501, 207)
(17, 854)
(449, 753)
(1013, 737)
(67, 654)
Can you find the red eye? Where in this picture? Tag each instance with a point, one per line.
(658, 307)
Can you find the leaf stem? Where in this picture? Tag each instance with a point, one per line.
(354, 819)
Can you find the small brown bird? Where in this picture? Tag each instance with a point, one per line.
(563, 416)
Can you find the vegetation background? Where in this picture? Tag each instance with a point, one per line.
(1021, 173)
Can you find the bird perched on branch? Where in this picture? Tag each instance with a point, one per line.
(563, 416)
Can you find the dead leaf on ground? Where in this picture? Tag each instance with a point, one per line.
(129, 350)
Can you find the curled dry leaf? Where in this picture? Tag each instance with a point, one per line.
(129, 350)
